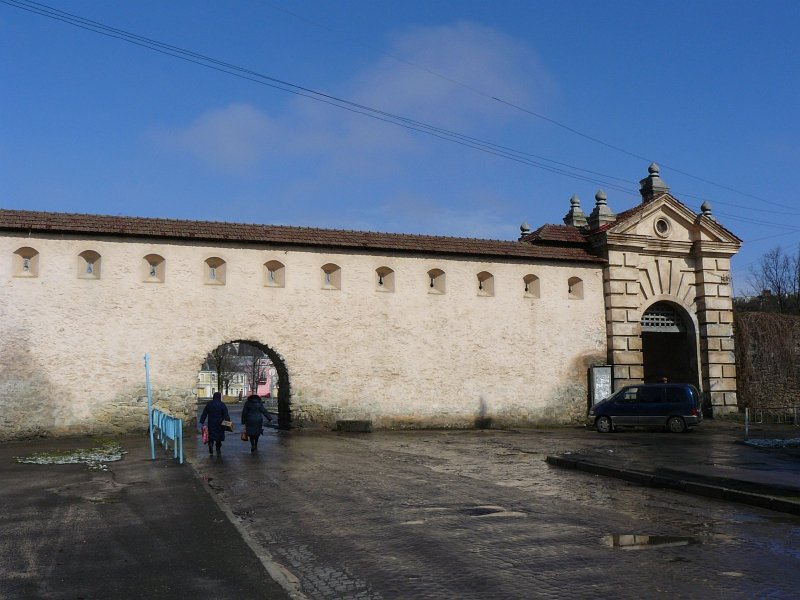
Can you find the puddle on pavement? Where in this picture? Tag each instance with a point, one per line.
(490, 511)
(97, 491)
(480, 511)
(645, 542)
(95, 458)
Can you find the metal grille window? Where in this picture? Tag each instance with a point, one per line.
(661, 318)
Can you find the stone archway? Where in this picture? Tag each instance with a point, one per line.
(283, 384)
(669, 344)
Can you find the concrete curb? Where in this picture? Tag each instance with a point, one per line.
(708, 490)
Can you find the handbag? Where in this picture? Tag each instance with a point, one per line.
(227, 425)
(204, 433)
(243, 436)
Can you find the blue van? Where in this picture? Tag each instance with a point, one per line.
(675, 406)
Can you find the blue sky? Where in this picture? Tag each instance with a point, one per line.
(709, 90)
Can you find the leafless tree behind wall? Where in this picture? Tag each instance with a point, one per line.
(223, 361)
(775, 282)
(253, 370)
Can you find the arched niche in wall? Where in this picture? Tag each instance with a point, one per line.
(153, 268)
(25, 262)
(274, 274)
(436, 281)
(89, 265)
(384, 279)
(215, 271)
(532, 286)
(485, 284)
(575, 288)
(331, 277)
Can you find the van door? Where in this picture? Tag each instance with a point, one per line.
(653, 408)
(626, 406)
(682, 400)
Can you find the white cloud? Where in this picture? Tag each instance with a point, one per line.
(482, 217)
(339, 144)
(235, 137)
(471, 63)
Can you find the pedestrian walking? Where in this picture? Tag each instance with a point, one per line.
(217, 412)
(253, 413)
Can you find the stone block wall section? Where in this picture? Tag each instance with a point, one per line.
(621, 290)
(715, 316)
(768, 352)
(661, 251)
(633, 282)
(689, 268)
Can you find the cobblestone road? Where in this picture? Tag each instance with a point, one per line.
(478, 514)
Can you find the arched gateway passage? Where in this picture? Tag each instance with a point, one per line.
(669, 344)
(242, 367)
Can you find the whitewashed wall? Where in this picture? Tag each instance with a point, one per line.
(71, 349)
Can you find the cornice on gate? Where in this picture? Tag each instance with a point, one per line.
(689, 232)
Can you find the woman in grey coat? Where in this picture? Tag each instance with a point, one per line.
(253, 414)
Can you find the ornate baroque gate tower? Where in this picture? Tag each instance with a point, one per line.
(667, 292)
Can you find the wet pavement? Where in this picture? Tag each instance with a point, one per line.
(480, 514)
(136, 529)
(409, 514)
(712, 462)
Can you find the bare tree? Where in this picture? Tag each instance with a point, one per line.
(223, 361)
(253, 372)
(251, 363)
(795, 291)
(775, 280)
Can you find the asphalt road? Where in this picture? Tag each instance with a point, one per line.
(141, 529)
(479, 514)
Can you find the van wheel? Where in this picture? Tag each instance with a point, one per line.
(603, 425)
(676, 424)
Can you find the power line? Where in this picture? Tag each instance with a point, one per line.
(526, 158)
(533, 113)
(758, 221)
(491, 148)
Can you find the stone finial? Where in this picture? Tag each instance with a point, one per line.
(575, 217)
(652, 185)
(524, 230)
(705, 209)
(601, 214)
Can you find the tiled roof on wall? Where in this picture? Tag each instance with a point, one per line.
(557, 234)
(215, 231)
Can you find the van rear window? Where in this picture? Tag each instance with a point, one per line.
(678, 394)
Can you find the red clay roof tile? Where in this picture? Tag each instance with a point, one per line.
(564, 234)
(99, 225)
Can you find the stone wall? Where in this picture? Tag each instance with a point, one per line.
(768, 359)
(72, 346)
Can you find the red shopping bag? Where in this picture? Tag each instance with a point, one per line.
(204, 433)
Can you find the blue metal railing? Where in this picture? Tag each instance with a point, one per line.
(167, 428)
(161, 425)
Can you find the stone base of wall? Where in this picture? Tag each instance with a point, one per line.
(125, 414)
(723, 411)
(565, 411)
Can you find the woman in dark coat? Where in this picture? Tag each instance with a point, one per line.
(253, 414)
(217, 412)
